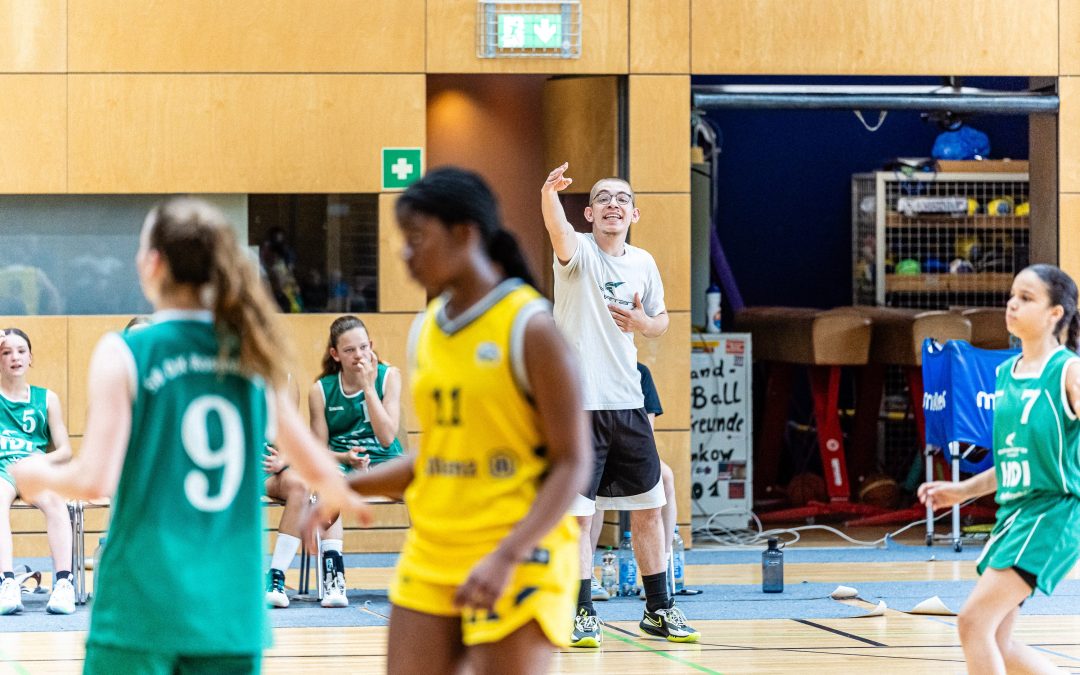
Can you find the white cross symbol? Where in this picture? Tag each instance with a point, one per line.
(402, 168)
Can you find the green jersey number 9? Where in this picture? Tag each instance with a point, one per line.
(195, 436)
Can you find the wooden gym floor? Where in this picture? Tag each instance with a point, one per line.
(894, 643)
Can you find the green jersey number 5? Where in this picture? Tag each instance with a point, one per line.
(195, 436)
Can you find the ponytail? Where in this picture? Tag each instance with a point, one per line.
(502, 248)
(1072, 338)
(201, 250)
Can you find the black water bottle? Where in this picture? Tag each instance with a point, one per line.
(772, 569)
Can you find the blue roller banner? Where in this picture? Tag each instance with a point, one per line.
(958, 396)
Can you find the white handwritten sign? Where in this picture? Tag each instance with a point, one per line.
(721, 438)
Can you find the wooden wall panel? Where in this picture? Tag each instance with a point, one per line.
(240, 133)
(664, 231)
(33, 112)
(668, 357)
(451, 42)
(581, 126)
(660, 36)
(1069, 39)
(35, 36)
(397, 291)
(389, 332)
(875, 37)
(84, 332)
(49, 349)
(282, 36)
(1069, 134)
(660, 133)
(1069, 235)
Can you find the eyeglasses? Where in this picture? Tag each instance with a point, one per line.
(621, 198)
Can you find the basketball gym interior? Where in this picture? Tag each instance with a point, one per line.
(834, 193)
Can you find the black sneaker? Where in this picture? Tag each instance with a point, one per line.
(586, 630)
(275, 589)
(669, 624)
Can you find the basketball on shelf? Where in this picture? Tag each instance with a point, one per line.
(880, 490)
(961, 266)
(908, 266)
(807, 487)
(1002, 206)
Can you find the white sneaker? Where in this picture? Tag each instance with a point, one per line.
(599, 592)
(334, 590)
(62, 600)
(10, 597)
(275, 589)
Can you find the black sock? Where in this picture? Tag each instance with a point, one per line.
(656, 591)
(63, 575)
(9, 575)
(584, 597)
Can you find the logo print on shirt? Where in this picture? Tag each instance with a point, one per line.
(608, 291)
(487, 352)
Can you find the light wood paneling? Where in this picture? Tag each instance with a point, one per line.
(1069, 134)
(660, 36)
(1069, 23)
(451, 42)
(35, 36)
(668, 357)
(660, 133)
(397, 290)
(239, 133)
(49, 348)
(210, 36)
(389, 332)
(664, 231)
(875, 37)
(674, 447)
(581, 126)
(33, 111)
(1069, 235)
(84, 332)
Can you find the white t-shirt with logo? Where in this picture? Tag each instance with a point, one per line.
(584, 287)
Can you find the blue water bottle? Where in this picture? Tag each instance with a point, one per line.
(772, 569)
(678, 555)
(627, 567)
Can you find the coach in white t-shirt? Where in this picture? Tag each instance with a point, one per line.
(605, 291)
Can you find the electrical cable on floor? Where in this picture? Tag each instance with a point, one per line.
(754, 537)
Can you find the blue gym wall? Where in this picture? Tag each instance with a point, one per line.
(784, 214)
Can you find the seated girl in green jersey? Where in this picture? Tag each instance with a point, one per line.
(179, 415)
(1036, 475)
(31, 423)
(355, 407)
(286, 487)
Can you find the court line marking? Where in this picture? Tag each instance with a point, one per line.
(837, 631)
(1051, 651)
(666, 655)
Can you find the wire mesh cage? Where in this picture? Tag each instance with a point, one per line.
(938, 240)
(536, 29)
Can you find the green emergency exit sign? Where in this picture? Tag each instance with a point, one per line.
(529, 31)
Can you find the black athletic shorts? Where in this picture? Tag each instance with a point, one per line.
(626, 471)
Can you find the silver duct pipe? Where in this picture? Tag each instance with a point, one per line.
(922, 99)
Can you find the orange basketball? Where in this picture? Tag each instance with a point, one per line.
(807, 487)
(880, 490)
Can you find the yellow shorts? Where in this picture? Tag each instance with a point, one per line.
(547, 596)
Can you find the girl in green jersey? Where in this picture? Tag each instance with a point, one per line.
(1036, 473)
(31, 423)
(355, 409)
(179, 416)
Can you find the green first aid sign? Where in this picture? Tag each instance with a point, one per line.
(401, 167)
(530, 31)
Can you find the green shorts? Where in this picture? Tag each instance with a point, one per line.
(108, 660)
(1040, 536)
(4, 464)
